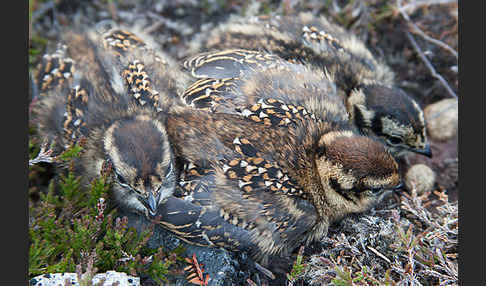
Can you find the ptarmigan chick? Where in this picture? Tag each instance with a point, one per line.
(107, 88)
(375, 105)
(274, 175)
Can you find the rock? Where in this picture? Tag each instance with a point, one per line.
(442, 119)
(421, 177)
(444, 163)
(224, 268)
(111, 277)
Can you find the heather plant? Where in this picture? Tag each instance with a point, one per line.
(415, 244)
(71, 226)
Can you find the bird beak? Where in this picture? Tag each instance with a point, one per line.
(152, 204)
(426, 151)
(399, 186)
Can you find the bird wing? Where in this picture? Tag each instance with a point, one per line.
(121, 63)
(230, 63)
(247, 198)
(150, 76)
(62, 106)
(267, 89)
(54, 71)
(212, 94)
(261, 211)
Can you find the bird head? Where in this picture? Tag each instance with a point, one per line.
(355, 171)
(392, 116)
(142, 160)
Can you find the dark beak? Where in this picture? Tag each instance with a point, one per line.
(152, 202)
(399, 186)
(426, 151)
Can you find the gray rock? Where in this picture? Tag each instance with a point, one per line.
(59, 279)
(224, 268)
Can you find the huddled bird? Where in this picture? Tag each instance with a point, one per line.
(263, 180)
(274, 176)
(105, 87)
(376, 106)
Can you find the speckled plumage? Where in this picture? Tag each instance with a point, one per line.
(266, 175)
(113, 87)
(266, 189)
(263, 180)
(356, 72)
(248, 82)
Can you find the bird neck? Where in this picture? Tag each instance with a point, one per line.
(310, 181)
(359, 113)
(307, 171)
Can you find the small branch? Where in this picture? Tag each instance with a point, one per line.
(43, 156)
(152, 28)
(443, 45)
(429, 65)
(411, 7)
(379, 254)
(265, 271)
(113, 10)
(182, 28)
(416, 30)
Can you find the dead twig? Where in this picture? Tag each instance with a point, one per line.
(411, 7)
(429, 65)
(113, 10)
(181, 28)
(443, 45)
(264, 270)
(196, 272)
(152, 28)
(43, 156)
(379, 254)
(416, 30)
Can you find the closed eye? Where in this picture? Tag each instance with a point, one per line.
(376, 190)
(394, 140)
(122, 180)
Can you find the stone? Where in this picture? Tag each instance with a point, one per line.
(224, 268)
(56, 279)
(421, 177)
(442, 119)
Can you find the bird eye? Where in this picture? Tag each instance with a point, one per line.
(376, 190)
(120, 179)
(394, 140)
